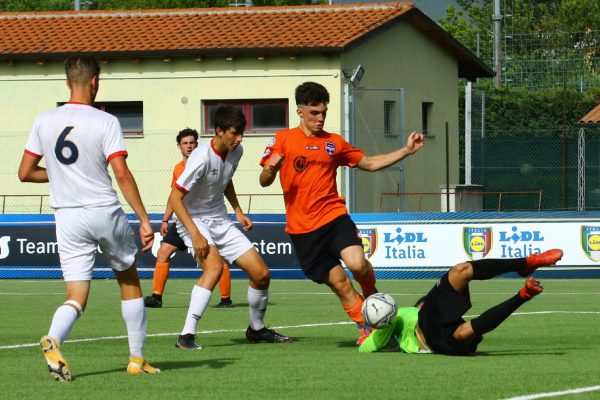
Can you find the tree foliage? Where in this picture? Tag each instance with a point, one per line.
(473, 17)
(62, 5)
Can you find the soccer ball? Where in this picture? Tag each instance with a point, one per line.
(379, 310)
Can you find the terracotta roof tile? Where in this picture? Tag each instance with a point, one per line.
(206, 31)
(593, 117)
(331, 28)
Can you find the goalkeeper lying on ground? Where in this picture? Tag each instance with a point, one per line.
(436, 323)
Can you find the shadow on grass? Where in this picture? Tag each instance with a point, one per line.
(346, 345)
(170, 365)
(235, 305)
(536, 352)
(244, 341)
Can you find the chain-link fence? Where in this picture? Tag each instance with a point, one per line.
(551, 59)
(151, 159)
(549, 161)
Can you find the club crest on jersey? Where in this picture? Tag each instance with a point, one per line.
(271, 142)
(368, 238)
(330, 148)
(477, 242)
(590, 241)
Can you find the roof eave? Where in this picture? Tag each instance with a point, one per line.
(175, 52)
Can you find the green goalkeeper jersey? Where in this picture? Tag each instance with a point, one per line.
(403, 327)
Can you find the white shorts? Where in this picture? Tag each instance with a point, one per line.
(222, 233)
(79, 232)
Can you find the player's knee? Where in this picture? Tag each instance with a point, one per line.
(463, 271)
(342, 287)
(261, 279)
(164, 254)
(358, 265)
(464, 332)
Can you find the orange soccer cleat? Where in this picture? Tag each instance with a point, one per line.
(534, 261)
(532, 288)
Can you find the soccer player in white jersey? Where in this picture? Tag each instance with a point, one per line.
(78, 142)
(203, 224)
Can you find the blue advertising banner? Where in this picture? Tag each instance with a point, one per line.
(28, 249)
(402, 245)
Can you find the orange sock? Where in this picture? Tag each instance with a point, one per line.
(159, 279)
(354, 311)
(367, 284)
(225, 283)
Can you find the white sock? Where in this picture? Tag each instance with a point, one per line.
(198, 303)
(134, 314)
(257, 301)
(62, 322)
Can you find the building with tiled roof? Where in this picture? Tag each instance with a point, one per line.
(163, 70)
(592, 117)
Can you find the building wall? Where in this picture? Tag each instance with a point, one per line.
(172, 94)
(426, 73)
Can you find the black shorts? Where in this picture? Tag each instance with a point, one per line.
(319, 251)
(173, 238)
(442, 312)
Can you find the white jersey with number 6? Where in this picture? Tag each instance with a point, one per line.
(77, 141)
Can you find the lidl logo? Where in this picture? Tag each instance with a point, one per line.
(477, 242)
(369, 240)
(590, 241)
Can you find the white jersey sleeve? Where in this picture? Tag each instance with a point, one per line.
(34, 146)
(113, 140)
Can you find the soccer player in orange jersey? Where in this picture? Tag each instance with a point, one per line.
(187, 141)
(307, 158)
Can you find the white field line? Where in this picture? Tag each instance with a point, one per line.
(330, 293)
(17, 346)
(555, 394)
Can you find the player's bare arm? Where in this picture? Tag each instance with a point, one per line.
(30, 171)
(130, 191)
(164, 226)
(414, 143)
(231, 196)
(199, 242)
(269, 172)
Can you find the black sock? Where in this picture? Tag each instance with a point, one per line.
(487, 269)
(490, 319)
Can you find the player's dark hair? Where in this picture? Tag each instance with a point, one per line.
(187, 132)
(229, 117)
(80, 69)
(311, 94)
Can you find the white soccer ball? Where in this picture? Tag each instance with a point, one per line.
(379, 310)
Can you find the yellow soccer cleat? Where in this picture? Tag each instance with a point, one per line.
(138, 365)
(57, 365)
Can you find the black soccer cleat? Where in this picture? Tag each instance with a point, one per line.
(224, 303)
(154, 301)
(187, 342)
(266, 335)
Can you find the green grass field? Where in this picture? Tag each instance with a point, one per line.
(551, 345)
